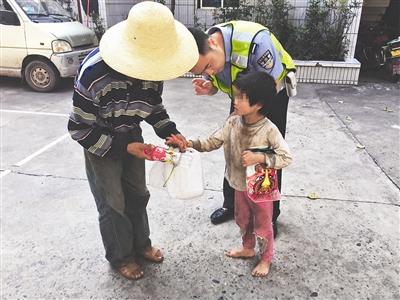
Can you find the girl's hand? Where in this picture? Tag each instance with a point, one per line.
(251, 158)
(189, 144)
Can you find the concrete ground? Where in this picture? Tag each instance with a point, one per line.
(342, 245)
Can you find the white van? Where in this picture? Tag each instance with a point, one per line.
(40, 42)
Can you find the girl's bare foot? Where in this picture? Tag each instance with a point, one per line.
(241, 253)
(262, 269)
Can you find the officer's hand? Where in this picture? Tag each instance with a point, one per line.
(203, 87)
(140, 150)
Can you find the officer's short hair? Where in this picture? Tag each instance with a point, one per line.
(201, 40)
(259, 87)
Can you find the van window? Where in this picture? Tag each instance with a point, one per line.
(5, 6)
(7, 15)
(44, 11)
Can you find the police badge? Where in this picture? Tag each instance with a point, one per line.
(266, 61)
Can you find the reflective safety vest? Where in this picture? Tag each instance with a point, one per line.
(243, 33)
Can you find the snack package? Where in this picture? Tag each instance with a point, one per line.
(262, 183)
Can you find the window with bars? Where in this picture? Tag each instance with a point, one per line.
(217, 3)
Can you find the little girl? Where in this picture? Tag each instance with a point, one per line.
(246, 129)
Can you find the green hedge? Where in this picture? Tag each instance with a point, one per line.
(321, 36)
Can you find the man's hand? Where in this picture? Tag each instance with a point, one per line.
(203, 87)
(140, 150)
(177, 140)
(251, 158)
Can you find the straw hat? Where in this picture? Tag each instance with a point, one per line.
(150, 44)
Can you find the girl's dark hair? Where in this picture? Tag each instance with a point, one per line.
(259, 87)
(201, 40)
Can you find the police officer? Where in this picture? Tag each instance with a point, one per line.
(227, 50)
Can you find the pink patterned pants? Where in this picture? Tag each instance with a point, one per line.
(255, 222)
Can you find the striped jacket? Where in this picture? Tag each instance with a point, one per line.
(108, 108)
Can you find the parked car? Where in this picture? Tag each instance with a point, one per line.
(40, 42)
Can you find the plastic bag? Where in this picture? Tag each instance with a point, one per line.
(262, 183)
(182, 176)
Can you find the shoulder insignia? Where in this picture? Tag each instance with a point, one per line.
(266, 61)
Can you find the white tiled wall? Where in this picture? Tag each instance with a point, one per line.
(114, 11)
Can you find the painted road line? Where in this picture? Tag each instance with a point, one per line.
(25, 160)
(4, 173)
(33, 113)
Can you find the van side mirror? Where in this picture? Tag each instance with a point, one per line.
(8, 17)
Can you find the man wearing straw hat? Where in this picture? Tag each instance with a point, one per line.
(118, 86)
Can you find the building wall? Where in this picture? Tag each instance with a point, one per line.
(373, 10)
(117, 10)
(186, 11)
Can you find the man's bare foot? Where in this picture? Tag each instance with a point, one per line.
(262, 269)
(241, 253)
(131, 271)
(153, 254)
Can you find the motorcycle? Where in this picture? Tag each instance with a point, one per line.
(384, 56)
(392, 58)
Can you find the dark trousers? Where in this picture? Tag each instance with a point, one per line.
(277, 114)
(119, 189)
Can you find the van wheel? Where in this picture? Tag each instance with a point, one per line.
(41, 76)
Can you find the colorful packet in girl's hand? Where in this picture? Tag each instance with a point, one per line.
(262, 183)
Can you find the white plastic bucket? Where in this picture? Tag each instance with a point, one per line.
(183, 180)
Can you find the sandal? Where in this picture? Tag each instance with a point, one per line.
(131, 271)
(153, 254)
